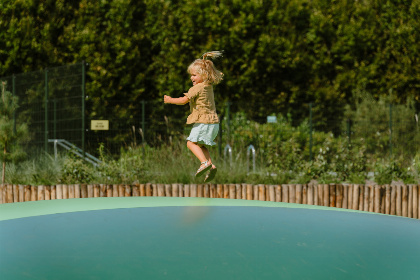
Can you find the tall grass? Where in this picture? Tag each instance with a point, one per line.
(174, 163)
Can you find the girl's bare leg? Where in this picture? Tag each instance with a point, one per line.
(197, 151)
(206, 154)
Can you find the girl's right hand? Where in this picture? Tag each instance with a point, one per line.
(166, 99)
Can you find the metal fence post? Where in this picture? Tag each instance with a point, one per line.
(390, 131)
(252, 150)
(143, 121)
(83, 106)
(46, 111)
(14, 94)
(310, 131)
(55, 118)
(228, 150)
(228, 120)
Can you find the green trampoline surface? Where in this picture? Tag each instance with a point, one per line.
(200, 238)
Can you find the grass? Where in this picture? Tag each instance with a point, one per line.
(175, 164)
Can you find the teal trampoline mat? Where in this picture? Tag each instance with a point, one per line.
(199, 238)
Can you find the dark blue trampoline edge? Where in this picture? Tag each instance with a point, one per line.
(18, 210)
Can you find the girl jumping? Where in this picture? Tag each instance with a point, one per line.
(203, 111)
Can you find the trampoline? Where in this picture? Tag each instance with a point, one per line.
(202, 238)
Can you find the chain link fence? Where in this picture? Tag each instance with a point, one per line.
(53, 104)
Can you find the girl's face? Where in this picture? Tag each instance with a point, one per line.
(195, 78)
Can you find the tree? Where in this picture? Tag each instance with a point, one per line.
(11, 136)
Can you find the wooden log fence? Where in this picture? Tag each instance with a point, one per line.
(399, 200)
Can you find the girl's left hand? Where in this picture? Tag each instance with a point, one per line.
(166, 99)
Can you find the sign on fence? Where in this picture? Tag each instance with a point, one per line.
(99, 125)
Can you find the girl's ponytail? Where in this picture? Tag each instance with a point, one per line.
(212, 54)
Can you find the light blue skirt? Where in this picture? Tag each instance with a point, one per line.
(203, 133)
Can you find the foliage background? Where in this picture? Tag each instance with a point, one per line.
(279, 55)
(350, 58)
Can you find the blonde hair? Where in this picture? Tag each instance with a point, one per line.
(206, 69)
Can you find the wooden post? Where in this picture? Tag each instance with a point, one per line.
(371, 198)
(161, 189)
(398, 200)
(278, 193)
(200, 190)
(142, 190)
(96, 190)
(206, 190)
(168, 190)
(321, 195)
(243, 187)
(332, 190)
(377, 203)
(256, 192)
(77, 191)
(41, 193)
(120, 190)
(21, 193)
(83, 191)
(103, 189)
(175, 192)
(355, 205)
(298, 193)
(27, 193)
(410, 201)
(34, 193)
(90, 190)
(271, 193)
(345, 196)
(114, 190)
(350, 196)
(387, 199)
(310, 194)
(315, 188)
(232, 191)
(418, 201)
(15, 193)
(109, 190)
(127, 190)
(226, 191)
(187, 191)
(404, 201)
(136, 189)
(71, 191)
(238, 190)
(47, 191)
(339, 200)
(1, 194)
(249, 192)
(285, 193)
(148, 188)
(9, 193)
(261, 192)
(59, 190)
(326, 191)
(193, 190)
(292, 193)
(213, 190)
(154, 190)
(393, 200)
(366, 199)
(304, 194)
(382, 192)
(361, 196)
(219, 189)
(415, 202)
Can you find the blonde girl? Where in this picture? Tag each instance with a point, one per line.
(203, 111)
